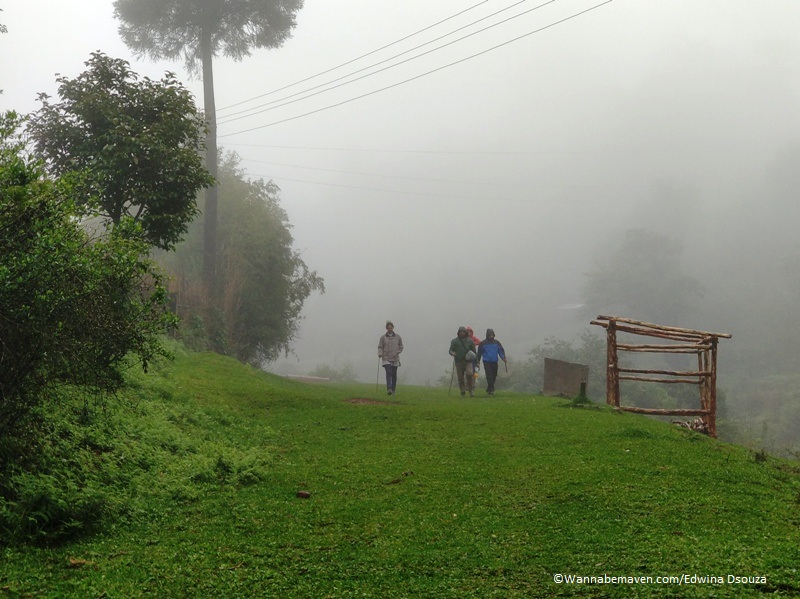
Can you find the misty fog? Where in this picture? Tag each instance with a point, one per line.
(482, 188)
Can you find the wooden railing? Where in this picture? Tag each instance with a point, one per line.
(684, 341)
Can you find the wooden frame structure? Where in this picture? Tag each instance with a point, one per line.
(686, 341)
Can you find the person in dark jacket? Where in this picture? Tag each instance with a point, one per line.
(463, 351)
(490, 350)
(390, 345)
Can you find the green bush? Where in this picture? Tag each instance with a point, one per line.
(74, 476)
(75, 304)
(91, 463)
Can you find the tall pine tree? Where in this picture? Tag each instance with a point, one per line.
(198, 31)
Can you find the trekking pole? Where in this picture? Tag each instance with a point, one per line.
(377, 377)
(505, 363)
(452, 376)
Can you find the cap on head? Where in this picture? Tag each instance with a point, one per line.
(389, 323)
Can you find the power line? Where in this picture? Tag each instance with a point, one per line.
(377, 189)
(432, 194)
(373, 150)
(232, 117)
(336, 105)
(402, 39)
(546, 152)
(400, 177)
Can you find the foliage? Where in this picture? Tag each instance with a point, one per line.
(589, 349)
(61, 485)
(264, 281)
(345, 374)
(130, 146)
(768, 418)
(774, 346)
(73, 307)
(178, 29)
(642, 279)
(428, 496)
(198, 31)
(93, 462)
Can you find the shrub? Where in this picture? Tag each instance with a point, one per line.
(74, 306)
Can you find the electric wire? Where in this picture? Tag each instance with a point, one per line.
(400, 177)
(419, 76)
(402, 39)
(434, 194)
(377, 189)
(373, 150)
(254, 110)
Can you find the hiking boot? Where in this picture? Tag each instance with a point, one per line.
(389, 392)
(463, 394)
(472, 394)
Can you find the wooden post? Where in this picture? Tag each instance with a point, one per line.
(712, 391)
(612, 373)
(702, 365)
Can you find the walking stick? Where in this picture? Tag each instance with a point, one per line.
(505, 363)
(377, 377)
(452, 376)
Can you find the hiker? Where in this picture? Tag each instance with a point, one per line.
(490, 350)
(390, 345)
(463, 351)
(476, 365)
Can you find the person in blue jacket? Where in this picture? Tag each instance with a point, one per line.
(490, 350)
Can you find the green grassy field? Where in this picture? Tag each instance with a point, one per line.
(423, 495)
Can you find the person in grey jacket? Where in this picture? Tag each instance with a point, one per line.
(390, 346)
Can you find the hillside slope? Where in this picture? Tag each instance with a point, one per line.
(426, 495)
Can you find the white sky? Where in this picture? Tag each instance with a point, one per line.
(480, 193)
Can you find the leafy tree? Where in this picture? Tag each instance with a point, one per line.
(642, 278)
(264, 281)
(197, 31)
(73, 307)
(130, 146)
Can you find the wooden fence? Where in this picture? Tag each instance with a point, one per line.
(683, 341)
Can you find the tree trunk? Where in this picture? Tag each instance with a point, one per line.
(210, 212)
